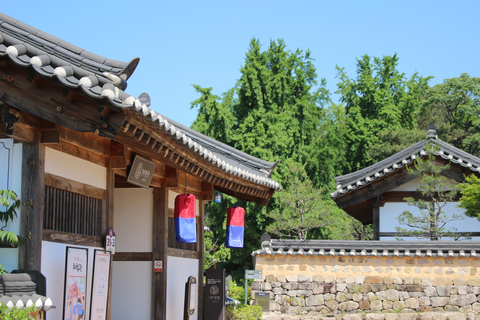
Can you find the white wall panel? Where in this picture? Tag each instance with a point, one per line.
(73, 168)
(133, 219)
(178, 271)
(132, 290)
(53, 268)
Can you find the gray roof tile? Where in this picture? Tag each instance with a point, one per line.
(70, 64)
(469, 249)
(352, 181)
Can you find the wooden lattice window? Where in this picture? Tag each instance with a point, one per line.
(72, 212)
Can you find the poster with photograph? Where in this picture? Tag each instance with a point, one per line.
(101, 272)
(75, 284)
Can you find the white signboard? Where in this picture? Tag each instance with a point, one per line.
(101, 272)
(75, 283)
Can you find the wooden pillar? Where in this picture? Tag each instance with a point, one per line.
(160, 251)
(376, 219)
(201, 222)
(32, 208)
(107, 223)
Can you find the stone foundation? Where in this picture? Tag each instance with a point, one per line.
(304, 294)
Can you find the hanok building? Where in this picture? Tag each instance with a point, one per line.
(70, 135)
(375, 195)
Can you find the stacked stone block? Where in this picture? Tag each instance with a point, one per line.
(305, 294)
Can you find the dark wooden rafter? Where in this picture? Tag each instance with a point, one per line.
(181, 158)
(375, 188)
(71, 108)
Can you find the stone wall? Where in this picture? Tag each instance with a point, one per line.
(339, 284)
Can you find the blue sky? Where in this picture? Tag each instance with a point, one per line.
(181, 43)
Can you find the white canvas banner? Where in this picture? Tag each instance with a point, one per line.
(75, 284)
(101, 271)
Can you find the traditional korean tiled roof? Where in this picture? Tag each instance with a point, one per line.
(355, 180)
(370, 248)
(105, 79)
(19, 290)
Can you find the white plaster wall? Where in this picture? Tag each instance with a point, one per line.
(133, 217)
(11, 178)
(390, 211)
(53, 268)
(73, 168)
(132, 281)
(178, 271)
(132, 290)
(409, 186)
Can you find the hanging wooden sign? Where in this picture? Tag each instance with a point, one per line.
(141, 172)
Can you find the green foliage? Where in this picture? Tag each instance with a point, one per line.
(455, 105)
(326, 156)
(15, 313)
(379, 99)
(2, 270)
(360, 231)
(9, 201)
(301, 207)
(213, 252)
(244, 312)
(470, 199)
(437, 190)
(235, 291)
(272, 113)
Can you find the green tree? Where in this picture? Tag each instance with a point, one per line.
(454, 106)
(361, 231)
(302, 208)
(436, 190)
(470, 199)
(10, 202)
(213, 251)
(273, 113)
(380, 99)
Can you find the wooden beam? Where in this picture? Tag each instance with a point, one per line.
(398, 196)
(207, 191)
(376, 219)
(32, 199)
(117, 155)
(81, 153)
(22, 132)
(132, 256)
(86, 140)
(72, 238)
(171, 177)
(50, 136)
(62, 183)
(47, 100)
(181, 253)
(376, 188)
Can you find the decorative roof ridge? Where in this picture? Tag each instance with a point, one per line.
(36, 41)
(353, 180)
(370, 248)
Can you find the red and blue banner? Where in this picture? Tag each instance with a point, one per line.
(185, 218)
(235, 227)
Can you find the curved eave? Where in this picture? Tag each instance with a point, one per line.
(359, 179)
